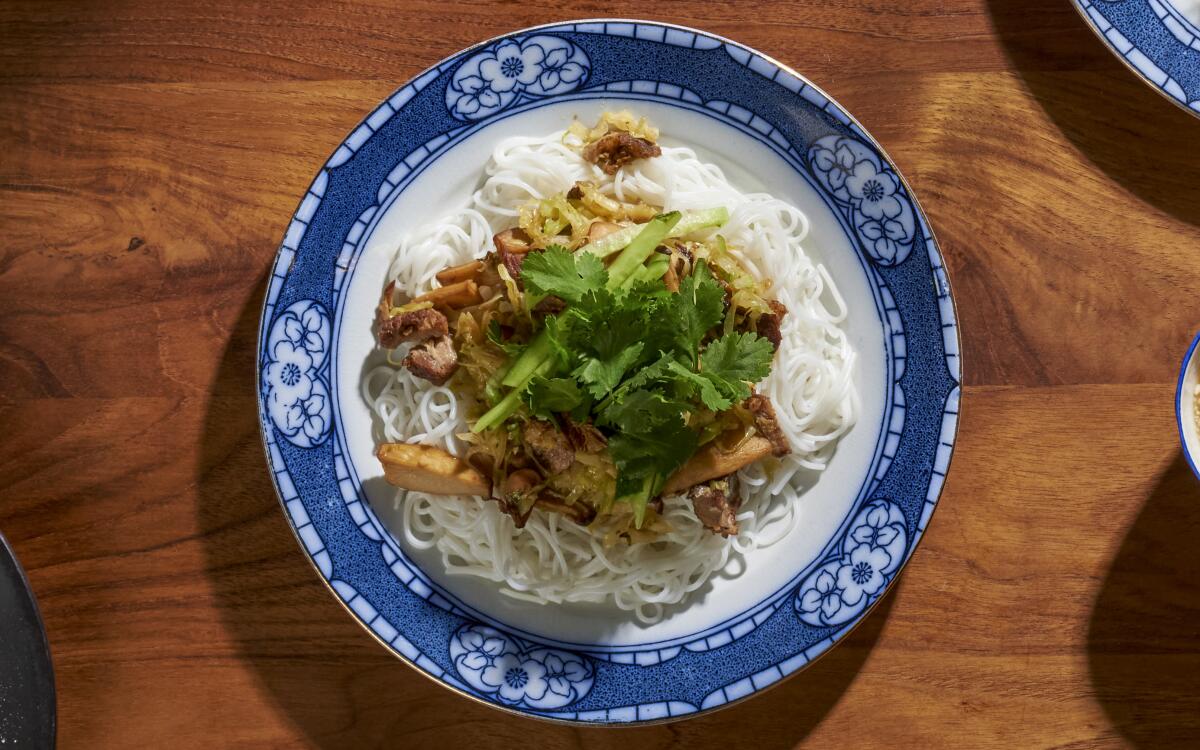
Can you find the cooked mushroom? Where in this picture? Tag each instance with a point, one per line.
(583, 436)
(548, 446)
(767, 423)
(716, 504)
(600, 229)
(769, 323)
(433, 359)
(677, 268)
(618, 148)
(518, 496)
(511, 247)
(512, 241)
(411, 326)
(521, 481)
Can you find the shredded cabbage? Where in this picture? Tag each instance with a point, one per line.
(609, 208)
(545, 220)
(748, 300)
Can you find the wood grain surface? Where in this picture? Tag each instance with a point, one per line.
(151, 155)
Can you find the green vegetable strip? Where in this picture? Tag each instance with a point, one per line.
(522, 369)
(492, 388)
(652, 271)
(500, 412)
(694, 221)
(636, 252)
(640, 499)
(690, 221)
(511, 402)
(611, 243)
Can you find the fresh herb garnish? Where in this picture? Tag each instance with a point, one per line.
(547, 397)
(631, 357)
(735, 360)
(562, 273)
(699, 306)
(639, 360)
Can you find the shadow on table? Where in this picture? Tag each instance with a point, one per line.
(1144, 635)
(339, 687)
(1127, 129)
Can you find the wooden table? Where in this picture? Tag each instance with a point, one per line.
(150, 156)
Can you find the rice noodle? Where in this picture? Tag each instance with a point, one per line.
(552, 559)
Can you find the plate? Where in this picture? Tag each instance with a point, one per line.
(1158, 39)
(423, 150)
(1185, 410)
(27, 708)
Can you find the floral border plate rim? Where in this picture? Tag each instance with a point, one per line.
(1155, 40)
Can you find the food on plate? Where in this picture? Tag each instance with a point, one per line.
(1196, 403)
(609, 373)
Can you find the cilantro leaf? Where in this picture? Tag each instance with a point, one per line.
(669, 447)
(600, 376)
(699, 305)
(652, 373)
(641, 411)
(595, 303)
(609, 325)
(559, 332)
(696, 383)
(560, 272)
(735, 360)
(548, 396)
(645, 460)
(607, 337)
(647, 293)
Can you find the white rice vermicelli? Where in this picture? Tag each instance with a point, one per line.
(552, 559)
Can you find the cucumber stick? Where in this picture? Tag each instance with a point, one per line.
(689, 221)
(636, 252)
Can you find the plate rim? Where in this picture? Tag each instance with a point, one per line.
(838, 635)
(1179, 397)
(1090, 23)
(22, 577)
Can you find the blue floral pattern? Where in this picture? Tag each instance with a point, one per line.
(518, 673)
(1158, 39)
(870, 194)
(295, 393)
(871, 553)
(512, 70)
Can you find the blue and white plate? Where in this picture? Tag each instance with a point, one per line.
(1158, 39)
(1185, 405)
(423, 150)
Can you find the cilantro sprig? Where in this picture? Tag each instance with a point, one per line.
(637, 360)
(631, 357)
(562, 273)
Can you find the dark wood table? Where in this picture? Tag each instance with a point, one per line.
(150, 157)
